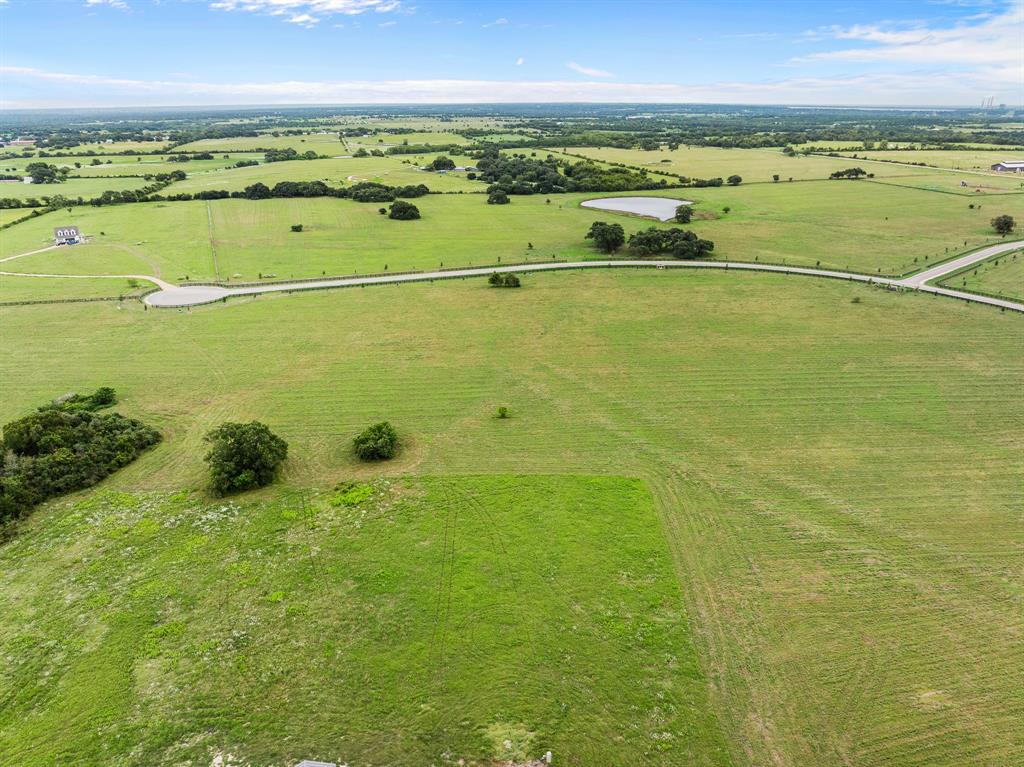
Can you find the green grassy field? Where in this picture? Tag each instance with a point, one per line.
(421, 625)
(837, 485)
(855, 225)
(753, 165)
(86, 188)
(51, 289)
(967, 159)
(1002, 276)
(394, 171)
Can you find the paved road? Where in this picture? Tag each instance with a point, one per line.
(196, 295)
(937, 272)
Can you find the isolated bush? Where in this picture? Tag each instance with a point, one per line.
(502, 412)
(243, 456)
(376, 443)
(684, 214)
(607, 237)
(403, 211)
(498, 197)
(296, 227)
(1003, 224)
(503, 280)
(734, 180)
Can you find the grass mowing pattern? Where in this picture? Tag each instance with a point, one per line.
(420, 625)
(839, 483)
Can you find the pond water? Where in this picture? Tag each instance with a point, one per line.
(661, 208)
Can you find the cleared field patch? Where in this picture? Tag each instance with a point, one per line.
(753, 165)
(54, 289)
(382, 140)
(394, 171)
(168, 240)
(322, 143)
(965, 184)
(838, 483)
(86, 188)
(1002, 276)
(421, 625)
(958, 159)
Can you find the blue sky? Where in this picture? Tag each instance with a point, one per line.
(212, 52)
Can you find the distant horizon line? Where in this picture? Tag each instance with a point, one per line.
(478, 104)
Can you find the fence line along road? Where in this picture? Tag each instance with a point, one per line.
(176, 297)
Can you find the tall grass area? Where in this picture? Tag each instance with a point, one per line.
(837, 484)
(411, 623)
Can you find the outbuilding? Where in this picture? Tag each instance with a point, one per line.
(1010, 166)
(67, 235)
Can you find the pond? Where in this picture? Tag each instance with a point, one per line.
(661, 208)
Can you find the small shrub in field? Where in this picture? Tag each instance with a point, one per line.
(243, 456)
(502, 412)
(504, 280)
(376, 443)
(498, 197)
(351, 494)
(296, 227)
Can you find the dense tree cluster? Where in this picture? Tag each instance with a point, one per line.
(403, 211)
(243, 456)
(851, 173)
(66, 446)
(607, 237)
(442, 163)
(519, 174)
(281, 155)
(679, 243)
(376, 443)
(42, 173)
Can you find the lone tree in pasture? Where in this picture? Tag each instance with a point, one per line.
(442, 163)
(498, 197)
(403, 211)
(1003, 224)
(243, 456)
(684, 214)
(734, 180)
(607, 237)
(376, 443)
(775, 177)
(296, 227)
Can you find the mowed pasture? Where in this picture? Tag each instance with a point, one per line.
(86, 188)
(952, 159)
(860, 226)
(421, 625)
(753, 165)
(837, 484)
(13, 288)
(1002, 276)
(393, 171)
(327, 143)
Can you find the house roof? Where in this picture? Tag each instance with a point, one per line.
(1012, 163)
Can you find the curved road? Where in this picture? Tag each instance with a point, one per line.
(173, 296)
(203, 294)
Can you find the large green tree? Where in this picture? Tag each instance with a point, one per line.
(243, 456)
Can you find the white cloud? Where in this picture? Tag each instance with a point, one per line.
(922, 89)
(119, 4)
(311, 10)
(588, 71)
(304, 20)
(520, 61)
(990, 43)
(497, 23)
(387, 24)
